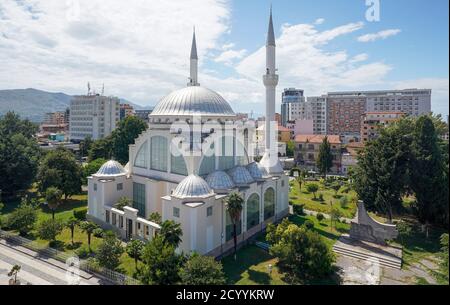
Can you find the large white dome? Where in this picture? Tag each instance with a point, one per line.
(193, 100)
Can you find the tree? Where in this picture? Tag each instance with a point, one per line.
(71, 224)
(124, 135)
(171, 233)
(88, 228)
(101, 149)
(290, 149)
(109, 251)
(428, 174)
(343, 202)
(60, 169)
(85, 146)
(300, 179)
(49, 229)
(235, 205)
(336, 186)
(155, 217)
(13, 273)
(1, 219)
(91, 168)
(202, 270)
(19, 154)
(134, 250)
(123, 202)
(160, 263)
(22, 219)
(325, 157)
(53, 198)
(320, 217)
(312, 188)
(302, 254)
(335, 215)
(444, 254)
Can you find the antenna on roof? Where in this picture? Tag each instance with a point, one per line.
(103, 89)
(89, 88)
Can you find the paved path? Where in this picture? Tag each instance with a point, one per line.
(34, 270)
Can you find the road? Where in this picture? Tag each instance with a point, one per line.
(35, 271)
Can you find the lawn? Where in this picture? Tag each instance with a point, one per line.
(330, 199)
(252, 265)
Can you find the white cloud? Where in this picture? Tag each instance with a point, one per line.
(319, 21)
(229, 56)
(359, 58)
(380, 35)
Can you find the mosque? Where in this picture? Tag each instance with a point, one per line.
(192, 156)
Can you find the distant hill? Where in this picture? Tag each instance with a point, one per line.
(34, 104)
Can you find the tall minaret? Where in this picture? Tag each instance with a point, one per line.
(270, 159)
(193, 80)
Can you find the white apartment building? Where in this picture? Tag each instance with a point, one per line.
(293, 106)
(93, 116)
(412, 102)
(318, 110)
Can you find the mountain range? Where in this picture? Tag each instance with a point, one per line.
(33, 104)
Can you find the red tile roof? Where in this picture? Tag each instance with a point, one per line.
(333, 139)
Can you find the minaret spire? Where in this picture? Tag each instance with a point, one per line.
(270, 32)
(193, 80)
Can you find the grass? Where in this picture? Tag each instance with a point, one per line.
(301, 196)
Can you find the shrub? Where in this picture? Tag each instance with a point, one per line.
(99, 233)
(83, 252)
(109, 251)
(49, 229)
(321, 197)
(320, 217)
(202, 270)
(299, 209)
(80, 214)
(22, 219)
(309, 224)
(343, 202)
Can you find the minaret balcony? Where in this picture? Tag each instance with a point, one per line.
(270, 80)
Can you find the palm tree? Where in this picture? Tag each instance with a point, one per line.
(235, 205)
(71, 223)
(88, 228)
(171, 232)
(53, 197)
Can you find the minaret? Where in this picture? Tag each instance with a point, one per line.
(193, 80)
(270, 159)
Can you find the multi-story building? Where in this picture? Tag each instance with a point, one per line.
(293, 106)
(344, 113)
(373, 121)
(126, 110)
(93, 116)
(318, 110)
(350, 156)
(143, 114)
(307, 151)
(56, 118)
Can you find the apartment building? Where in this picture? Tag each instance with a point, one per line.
(126, 110)
(93, 116)
(307, 151)
(318, 113)
(373, 121)
(293, 106)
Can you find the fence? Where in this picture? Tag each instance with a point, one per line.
(85, 265)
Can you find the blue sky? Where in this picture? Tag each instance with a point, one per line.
(140, 48)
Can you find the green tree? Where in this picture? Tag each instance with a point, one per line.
(19, 154)
(123, 202)
(49, 229)
(428, 175)
(325, 157)
(335, 215)
(109, 251)
(60, 169)
(312, 188)
(302, 254)
(444, 254)
(71, 224)
(124, 135)
(155, 217)
(290, 149)
(88, 228)
(202, 270)
(23, 218)
(336, 186)
(171, 233)
(53, 199)
(85, 146)
(134, 250)
(235, 204)
(101, 149)
(160, 263)
(343, 201)
(91, 168)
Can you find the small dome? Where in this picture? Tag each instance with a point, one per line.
(241, 175)
(193, 100)
(256, 172)
(110, 169)
(192, 187)
(219, 180)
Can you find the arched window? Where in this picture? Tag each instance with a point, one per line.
(141, 156)
(177, 163)
(158, 153)
(269, 203)
(252, 211)
(208, 164)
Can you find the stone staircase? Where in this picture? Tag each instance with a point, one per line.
(383, 258)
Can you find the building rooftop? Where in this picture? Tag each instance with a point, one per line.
(317, 139)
